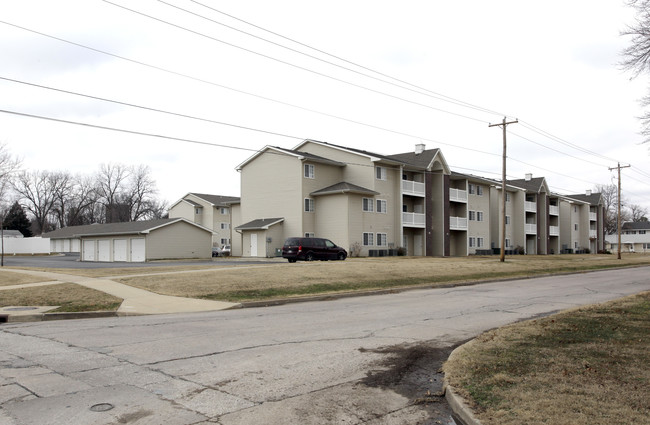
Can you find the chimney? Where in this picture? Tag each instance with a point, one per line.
(588, 192)
(419, 148)
(529, 177)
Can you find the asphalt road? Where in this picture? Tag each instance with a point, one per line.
(370, 360)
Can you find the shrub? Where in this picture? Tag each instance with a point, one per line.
(355, 249)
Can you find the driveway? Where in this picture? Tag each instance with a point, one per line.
(71, 261)
(364, 360)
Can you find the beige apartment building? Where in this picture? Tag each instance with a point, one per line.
(210, 211)
(373, 204)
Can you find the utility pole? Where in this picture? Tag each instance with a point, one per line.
(618, 199)
(504, 124)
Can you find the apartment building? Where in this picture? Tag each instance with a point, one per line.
(582, 223)
(210, 211)
(360, 200)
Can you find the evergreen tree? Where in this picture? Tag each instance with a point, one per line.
(16, 219)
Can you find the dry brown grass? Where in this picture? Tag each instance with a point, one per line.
(8, 278)
(283, 279)
(68, 296)
(587, 366)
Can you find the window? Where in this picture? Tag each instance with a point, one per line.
(380, 173)
(472, 242)
(367, 204)
(507, 219)
(225, 226)
(309, 234)
(479, 242)
(382, 239)
(368, 239)
(471, 189)
(479, 215)
(381, 206)
(508, 245)
(309, 171)
(479, 190)
(472, 215)
(197, 211)
(224, 211)
(641, 232)
(309, 205)
(575, 245)
(575, 209)
(507, 197)
(575, 226)
(225, 241)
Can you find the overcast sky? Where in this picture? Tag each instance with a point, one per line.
(400, 73)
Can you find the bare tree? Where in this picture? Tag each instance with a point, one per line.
(637, 54)
(637, 212)
(609, 193)
(111, 186)
(37, 192)
(140, 193)
(9, 166)
(74, 196)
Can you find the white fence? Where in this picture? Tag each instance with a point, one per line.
(36, 245)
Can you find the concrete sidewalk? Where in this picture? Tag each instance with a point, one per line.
(136, 301)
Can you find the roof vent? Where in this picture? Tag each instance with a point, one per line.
(588, 192)
(529, 177)
(419, 148)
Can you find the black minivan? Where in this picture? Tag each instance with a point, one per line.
(310, 249)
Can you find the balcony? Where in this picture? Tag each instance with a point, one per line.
(531, 229)
(409, 187)
(593, 217)
(553, 210)
(458, 195)
(554, 230)
(457, 223)
(593, 234)
(530, 206)
(413, 220)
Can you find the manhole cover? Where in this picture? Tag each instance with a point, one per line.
(21, 308)
(101, 407)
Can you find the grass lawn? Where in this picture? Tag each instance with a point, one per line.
(279, 280)
(68, 296)
(586, 366)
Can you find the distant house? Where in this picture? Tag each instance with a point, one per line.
(11, 234)
(211, 211)
(635, 237)
(135, 241)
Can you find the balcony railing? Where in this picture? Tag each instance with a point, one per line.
(531, 229)
(554, 230)
(457, 223)
(593, 234)
(530, 206)
(409, 187)
(592, 216)
(413, 219)
(553, 210)
(458, 195)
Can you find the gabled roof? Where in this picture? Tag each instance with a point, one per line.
(12, 233)
(370, 155)
(424, 160)
(260, 224)
(214, 200)
(125, 228)
(533, 185)
(593, 199)
(344, 187)
(636, 225)
(487, 180)
(291, 152)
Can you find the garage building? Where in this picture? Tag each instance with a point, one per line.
(135, 241)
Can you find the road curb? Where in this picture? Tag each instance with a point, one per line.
(456, 402)
(45, 317)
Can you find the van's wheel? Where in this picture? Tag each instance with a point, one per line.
(309, 256)
(341, 256)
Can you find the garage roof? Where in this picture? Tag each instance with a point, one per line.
(130, 227)
(260, 224)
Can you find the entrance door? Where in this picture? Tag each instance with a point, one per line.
(418, 245)
(253, 244)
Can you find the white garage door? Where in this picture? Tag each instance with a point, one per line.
(119, 250)
(104, 250)
(66, 245)
(88, 253)
(137, 250)
(74, 245)
(58, 245)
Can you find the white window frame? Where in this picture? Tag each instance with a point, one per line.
(367, 204)
(470, 188)
(198, 211)
(309, 234)
(368, 239)
(479, 215)
(479, 190)
(480, 242)
(508, 220)
(471, 215)
(309, 205)
(382, 206)
(309, 171)
(382, 239)
(472, 242)
(508, 243)
(508, 197)
(224, 211)
(380, 173)
(225, 241)
(224, 226)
